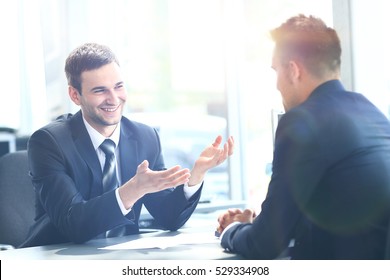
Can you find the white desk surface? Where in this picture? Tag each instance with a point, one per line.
(195, 241)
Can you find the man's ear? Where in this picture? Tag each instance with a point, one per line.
(295, 70)
(74, 95)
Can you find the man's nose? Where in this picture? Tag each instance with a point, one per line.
(111, 96)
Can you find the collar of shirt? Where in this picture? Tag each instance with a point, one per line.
(98, 139)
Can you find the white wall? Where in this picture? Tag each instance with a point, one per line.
(371, 44)
(9, 70)
(22, 74)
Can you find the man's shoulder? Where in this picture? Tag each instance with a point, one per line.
(135, 125)
(138, 131)
(61, 126)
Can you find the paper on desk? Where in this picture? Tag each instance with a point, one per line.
(163, 242)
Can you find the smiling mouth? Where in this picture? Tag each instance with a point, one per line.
(110, 109)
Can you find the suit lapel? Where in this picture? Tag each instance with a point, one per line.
(85, 148)
(128, 148)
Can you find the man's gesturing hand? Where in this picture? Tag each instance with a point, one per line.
(149, 181)
(212, 156)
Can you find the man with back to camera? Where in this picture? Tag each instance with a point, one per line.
(79, 195)
(330, 187)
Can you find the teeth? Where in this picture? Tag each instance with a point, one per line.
(109, 110)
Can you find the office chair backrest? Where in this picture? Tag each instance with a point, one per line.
(17, 198)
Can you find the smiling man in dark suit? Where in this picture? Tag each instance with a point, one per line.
(330, 187)
(67, 163)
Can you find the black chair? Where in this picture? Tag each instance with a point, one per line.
(17, 199)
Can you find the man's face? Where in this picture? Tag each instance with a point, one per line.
(286, 81)
(102, 97)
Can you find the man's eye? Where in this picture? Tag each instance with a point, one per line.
(98, 91)
(119, 86)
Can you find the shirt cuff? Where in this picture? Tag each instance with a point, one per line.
(189, 191)
(226, 228)
(120, 203)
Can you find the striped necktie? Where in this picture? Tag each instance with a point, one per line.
(110, 180)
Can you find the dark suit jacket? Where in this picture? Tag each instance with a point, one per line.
(330, 186)
(70, 203)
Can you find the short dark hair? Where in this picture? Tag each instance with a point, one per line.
(310, 40)
(86, 57)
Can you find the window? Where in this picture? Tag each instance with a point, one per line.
(200, 67)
